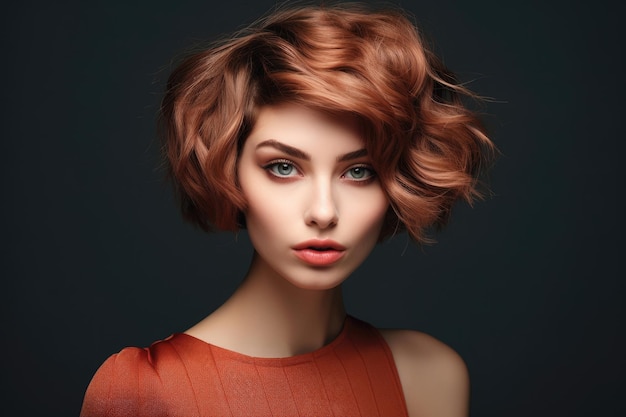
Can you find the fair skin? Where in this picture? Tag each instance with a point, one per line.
(315, 211)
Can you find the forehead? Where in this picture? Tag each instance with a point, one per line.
(305, 128)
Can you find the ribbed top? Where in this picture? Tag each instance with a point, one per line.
(354, 375)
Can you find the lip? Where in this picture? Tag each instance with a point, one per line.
(319, 252)
(319, 244)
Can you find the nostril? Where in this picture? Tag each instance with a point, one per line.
(322, 211)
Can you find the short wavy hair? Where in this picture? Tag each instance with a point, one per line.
(425, 145)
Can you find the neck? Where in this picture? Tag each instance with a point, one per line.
(270, 317)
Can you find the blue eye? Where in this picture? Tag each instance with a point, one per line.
(359, 173)
(281, 169)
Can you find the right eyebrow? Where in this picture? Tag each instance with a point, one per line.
(289, 150)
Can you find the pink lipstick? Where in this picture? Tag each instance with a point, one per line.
(319, 252)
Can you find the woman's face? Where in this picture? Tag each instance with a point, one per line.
(315, 206)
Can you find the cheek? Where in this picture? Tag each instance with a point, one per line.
(267, 208)
(261, 215)
(368, 213)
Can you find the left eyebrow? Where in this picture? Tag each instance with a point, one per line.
(352, 155)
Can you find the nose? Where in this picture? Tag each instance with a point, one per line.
(322, 209)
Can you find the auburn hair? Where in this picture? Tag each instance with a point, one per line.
(425, 145)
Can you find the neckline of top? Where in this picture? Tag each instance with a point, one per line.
(269, 361)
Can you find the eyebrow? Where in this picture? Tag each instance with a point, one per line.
(297, 153)
(352, 155)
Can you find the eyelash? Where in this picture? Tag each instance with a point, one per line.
(270, 166)
(275, 163)
(365, 180)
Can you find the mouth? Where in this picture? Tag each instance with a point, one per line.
(320, 245)
(319, 252)
(320, 249)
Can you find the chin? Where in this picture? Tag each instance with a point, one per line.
(316, 280)
(316, 286)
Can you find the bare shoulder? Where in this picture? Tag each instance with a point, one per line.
(434, 378)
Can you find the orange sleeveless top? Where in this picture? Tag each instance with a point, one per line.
(182, 376)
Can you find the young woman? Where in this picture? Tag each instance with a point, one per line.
(321, 131)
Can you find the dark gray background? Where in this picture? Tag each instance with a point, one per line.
(526, 286)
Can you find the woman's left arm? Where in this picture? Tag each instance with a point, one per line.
(434, 378)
